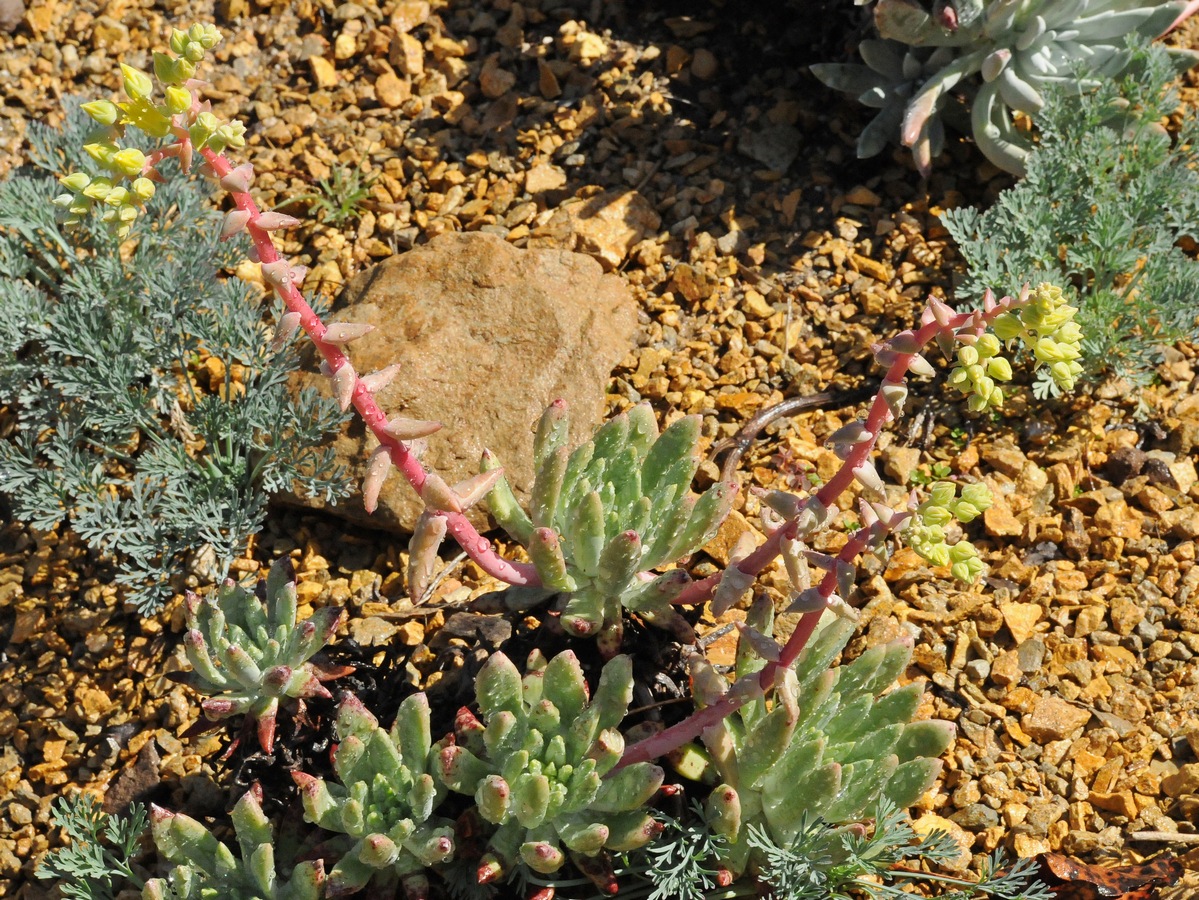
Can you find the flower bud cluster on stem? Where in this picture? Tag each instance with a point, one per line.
(854, 445)
(196, 129)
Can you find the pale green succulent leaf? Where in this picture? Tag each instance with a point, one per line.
(547, 488)
(629, 788)
(818, 789)
(552, 431)
(910, 781)
(672, 459)
(929, 737)
(861, 784)
(563, 685)
(505, 508)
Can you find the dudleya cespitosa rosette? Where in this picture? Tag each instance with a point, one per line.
(978, 63)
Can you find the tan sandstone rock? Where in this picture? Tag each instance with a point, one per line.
(487, 336)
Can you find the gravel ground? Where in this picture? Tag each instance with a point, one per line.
(769, 259)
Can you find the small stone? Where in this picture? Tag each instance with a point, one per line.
(29, 622)
(606, 226)
(391, 90)
(976, 817)
(494, 82)
(407, 54)
(775, 146)
(323, 72)
(1124, 463)
(1021, 619)
(862, 196)
(900, 462)
(1120, 802)
(704, 64)
(345, 45)
(1125, 614)
(1183, 523)
(755, 305)
(11, 14)
(1000, 521)
(1005, 669)
(409, 14)
(1053, 719)
(544, 177)
(930, 822)
(547, 81)
(977, 670)
(1003, 456)
(371, 631)
(1031, 655)
(1185, 781)
(1025, 845)
(1089, 619)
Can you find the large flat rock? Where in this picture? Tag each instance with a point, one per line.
(487, 335)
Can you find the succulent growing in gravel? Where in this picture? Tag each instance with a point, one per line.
(830, 746)
(1018, 47)
(607, 512)
(248, 653)
(205, 869)
(537, 762)
(385, 801)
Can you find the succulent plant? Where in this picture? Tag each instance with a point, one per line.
(248, 653)
(1017, 47)
(536, 766)
(609, 511)
(205, 869)
(385, 801)
(831, 745)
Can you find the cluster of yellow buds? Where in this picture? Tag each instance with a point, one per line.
(1045, 323)
(122, 202)
(977, 367)
(926, 533)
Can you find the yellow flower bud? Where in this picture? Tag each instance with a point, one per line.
(965, 512)
(968, 356)
(178, 99)
(143, 189)
(137, 84)
(178, 41)
(988, 345)
(100, 151)
(164, 69)
(937, 554)
(129, 162)
(103, 111)
(1046, 350)
(98, 189)
(76, 181)
(1007, 327)
(936, 515)
(999, 368)
(978, 495)
(941, 493)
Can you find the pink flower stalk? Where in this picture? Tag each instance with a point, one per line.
(900, 355)
(359, 394)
